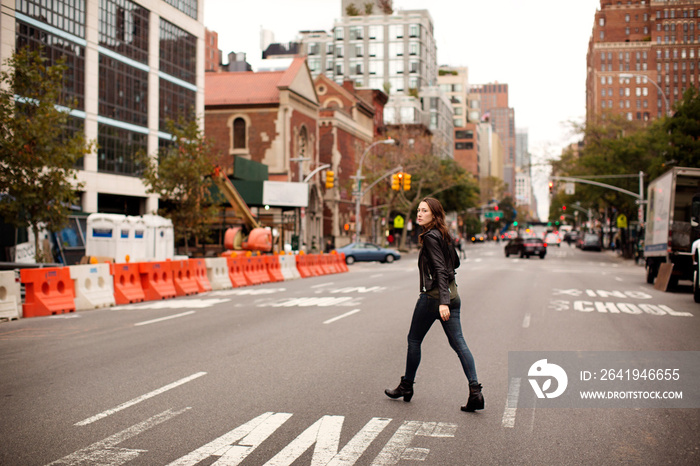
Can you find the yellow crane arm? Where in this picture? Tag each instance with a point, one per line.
(234, 197)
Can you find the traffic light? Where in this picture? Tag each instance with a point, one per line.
(495, 207)
(563, 207)
(551, 187)
(406, 182)
(395, 182)
(329, 179)
(515, 223)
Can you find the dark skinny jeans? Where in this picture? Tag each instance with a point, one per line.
(425, 313)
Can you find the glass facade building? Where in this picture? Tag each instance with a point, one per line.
(125, 79)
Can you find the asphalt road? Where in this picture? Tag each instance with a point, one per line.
(294, 372)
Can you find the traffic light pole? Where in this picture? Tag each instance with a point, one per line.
(360, 194)
(640, 197)
(358, 177)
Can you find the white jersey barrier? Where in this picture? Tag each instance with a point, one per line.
(288, 267)
(94, 286)
(10, 296)
(217, 273)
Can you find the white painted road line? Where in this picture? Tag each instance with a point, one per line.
(330, 321)
(130, 403)
(106, 452)
(526, 320)
(164, 318)
(321, 285)
(511, 403)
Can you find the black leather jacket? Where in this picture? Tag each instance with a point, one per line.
(437, 262)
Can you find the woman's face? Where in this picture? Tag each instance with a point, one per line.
(424, 215)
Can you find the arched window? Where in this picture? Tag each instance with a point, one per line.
(239, 133)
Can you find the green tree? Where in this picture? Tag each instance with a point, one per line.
(39, 151)
(683, 132)
(180, 176)
(431, 176)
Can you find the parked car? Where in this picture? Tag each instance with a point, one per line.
(553, 239)
(368, 252)
(590, 242)
(526, 247)
(478, 238)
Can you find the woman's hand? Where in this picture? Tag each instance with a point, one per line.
(444, 312)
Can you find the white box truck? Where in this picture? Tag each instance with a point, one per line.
(671, 226)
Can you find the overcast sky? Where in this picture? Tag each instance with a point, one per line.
(537, 47)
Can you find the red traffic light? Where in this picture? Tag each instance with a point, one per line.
(563, 207)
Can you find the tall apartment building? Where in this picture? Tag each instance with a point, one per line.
(642, 56)
(132, 65)
(524, 195)
(494, 108)
(454, 83)
(393, 52)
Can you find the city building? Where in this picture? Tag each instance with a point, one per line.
(453, 81)
(642, 56)
(523, 175)
(132, 65)
(271, 117)
(212, 54)
(494, 108)
(347, 126)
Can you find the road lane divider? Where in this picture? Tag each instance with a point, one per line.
(508, 419)
(10, 295)
(139, 399)
(47, 291)
(217, 273)
(342, 316)
(56, 290)
(147, 322)
(94, 286)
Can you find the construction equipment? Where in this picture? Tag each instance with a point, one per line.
(250, 236)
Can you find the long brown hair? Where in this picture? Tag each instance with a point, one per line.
(438, 221)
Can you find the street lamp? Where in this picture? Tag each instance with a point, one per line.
(632, 75)
(358, 177)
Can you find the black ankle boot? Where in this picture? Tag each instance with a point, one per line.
(476, 399)
(405, 390)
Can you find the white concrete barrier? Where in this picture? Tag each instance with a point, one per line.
(288, 266)
(217, 273)
(10, 296)
(94, 286)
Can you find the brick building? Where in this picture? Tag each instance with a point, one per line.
(271, 118)
(495, 109)
(642, 56)
(347, 125)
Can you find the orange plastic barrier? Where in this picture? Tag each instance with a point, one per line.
(341, 262)
(48, 291)
(315, 266)
(255, 271)
(274, 268)
(235, 271)
(183, 278)
(332, 261)
(127, 283)
(157, 280)
(324, 261)
(303, 266)
(199, 270)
